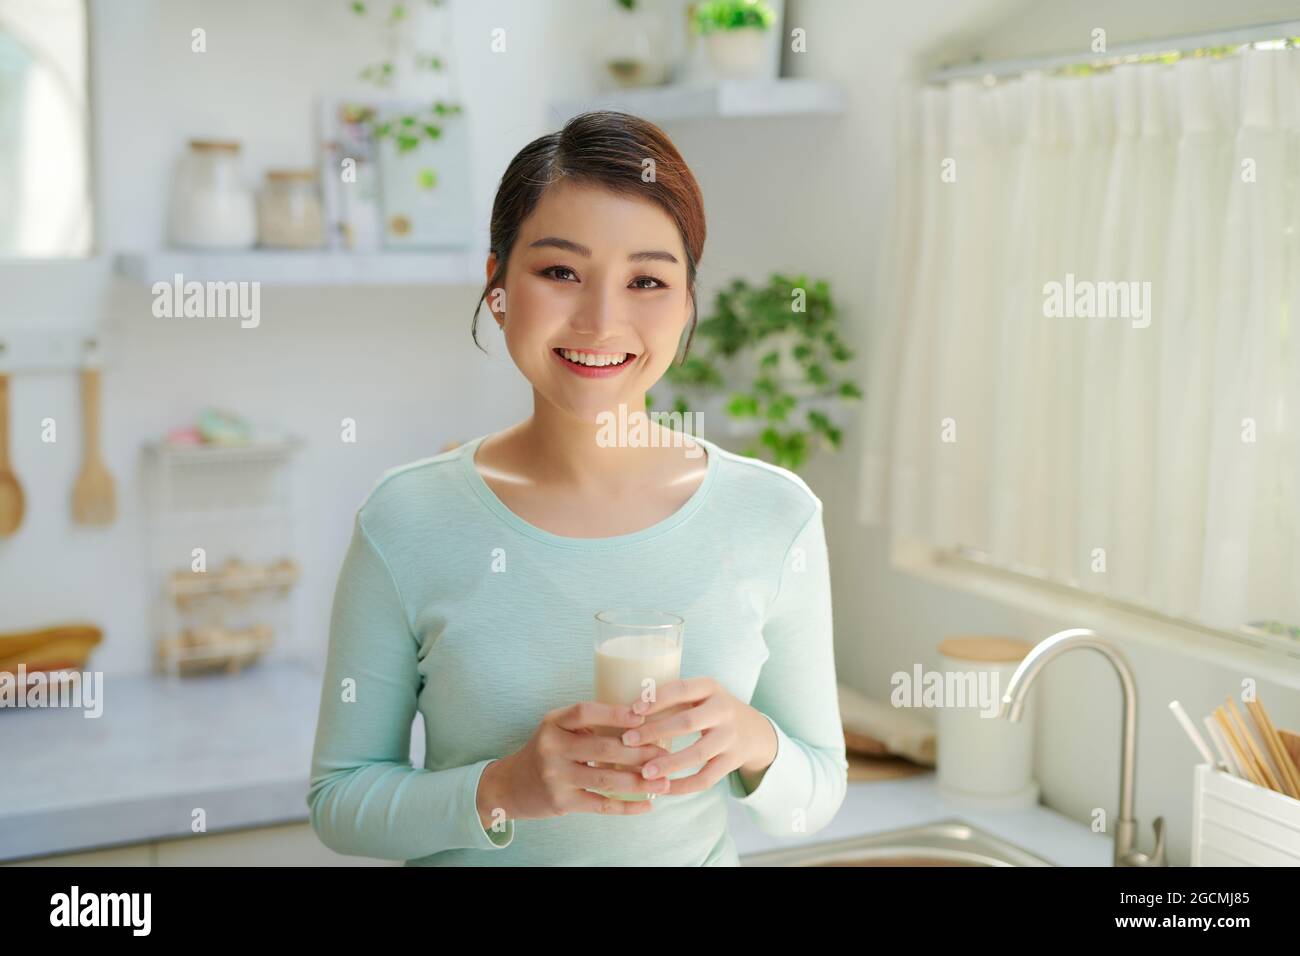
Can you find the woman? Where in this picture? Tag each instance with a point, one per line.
(473, 577)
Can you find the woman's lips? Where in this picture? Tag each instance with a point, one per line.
(593, 371)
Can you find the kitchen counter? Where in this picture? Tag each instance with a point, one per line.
(240, 748)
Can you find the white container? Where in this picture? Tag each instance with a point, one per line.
(1239, 823)
(985, 760)
(211, 206)
(737, 54)
(631, 47)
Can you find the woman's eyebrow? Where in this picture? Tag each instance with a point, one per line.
(558, 243)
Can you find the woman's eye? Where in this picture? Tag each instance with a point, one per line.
(551, 270)
(658, 284)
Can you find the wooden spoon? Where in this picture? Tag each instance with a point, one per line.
(11, 492)
(93, 499)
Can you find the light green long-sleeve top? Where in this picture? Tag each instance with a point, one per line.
(451, 605)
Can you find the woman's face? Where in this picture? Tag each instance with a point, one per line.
(594, 272)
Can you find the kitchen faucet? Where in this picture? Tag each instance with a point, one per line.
(1014, 699)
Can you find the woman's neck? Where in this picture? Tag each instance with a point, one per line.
(601, 457)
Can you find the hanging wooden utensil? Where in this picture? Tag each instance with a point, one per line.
(93, 498)
(11, 492)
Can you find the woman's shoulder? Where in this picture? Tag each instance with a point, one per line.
(765, 493)
(426, 483)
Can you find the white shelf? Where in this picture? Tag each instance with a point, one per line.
(728, 98)
(241, 451)
(306, 268)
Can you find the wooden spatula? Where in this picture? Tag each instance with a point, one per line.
(93, 498)
(11, 492)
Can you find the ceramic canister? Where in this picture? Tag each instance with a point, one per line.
(983, 758)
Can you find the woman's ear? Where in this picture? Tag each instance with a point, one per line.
(492, 299)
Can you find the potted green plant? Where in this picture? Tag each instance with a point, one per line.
(735, 34)
(406, 25)
(770, 356)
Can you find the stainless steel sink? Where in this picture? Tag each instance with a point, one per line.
(945, 843)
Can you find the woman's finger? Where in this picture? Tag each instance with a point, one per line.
(593, 713)
(584, 747)
(678, 723)
(611, 780)
(704, 778)
(686, 690)
(584, 802)
(703, 750)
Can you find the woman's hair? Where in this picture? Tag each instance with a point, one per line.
(607, 149)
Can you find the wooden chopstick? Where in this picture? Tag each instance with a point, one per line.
(1290, 776)
(1243, 759)
(1266, 772)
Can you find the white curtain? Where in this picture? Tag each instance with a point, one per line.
(1147, 449)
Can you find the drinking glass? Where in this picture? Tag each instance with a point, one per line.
(635, 653)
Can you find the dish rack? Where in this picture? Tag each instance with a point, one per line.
(234, 502)
(1239, 823)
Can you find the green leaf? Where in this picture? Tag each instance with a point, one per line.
(427, 179)
(850, 390)
(742, 406)
(406, 143)
(358, 7)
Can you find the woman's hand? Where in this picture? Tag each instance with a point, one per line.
(549, 775)
(733, 735)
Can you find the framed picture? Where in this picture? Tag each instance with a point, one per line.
(395, 173)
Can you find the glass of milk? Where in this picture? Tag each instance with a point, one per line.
(636, 652)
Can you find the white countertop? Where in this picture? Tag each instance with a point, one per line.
(240, 748)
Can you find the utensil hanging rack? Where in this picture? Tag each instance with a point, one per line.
(25, 350)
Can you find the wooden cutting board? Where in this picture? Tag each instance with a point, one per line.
(862, 767)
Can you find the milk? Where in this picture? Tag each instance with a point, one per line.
(623, 663)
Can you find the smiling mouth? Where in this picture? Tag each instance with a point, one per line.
(594, 360)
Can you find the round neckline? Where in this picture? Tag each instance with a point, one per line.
(498, 507)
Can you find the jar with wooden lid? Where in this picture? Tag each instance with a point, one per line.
(211, 206)
(289, 210)
(982, 758)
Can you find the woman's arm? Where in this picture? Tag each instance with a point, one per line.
(803, 787)
(365, 798)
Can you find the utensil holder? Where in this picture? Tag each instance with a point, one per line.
(1239, 823)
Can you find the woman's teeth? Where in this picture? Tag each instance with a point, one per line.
(595, 361)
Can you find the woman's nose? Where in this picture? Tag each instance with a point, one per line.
(598, 312)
